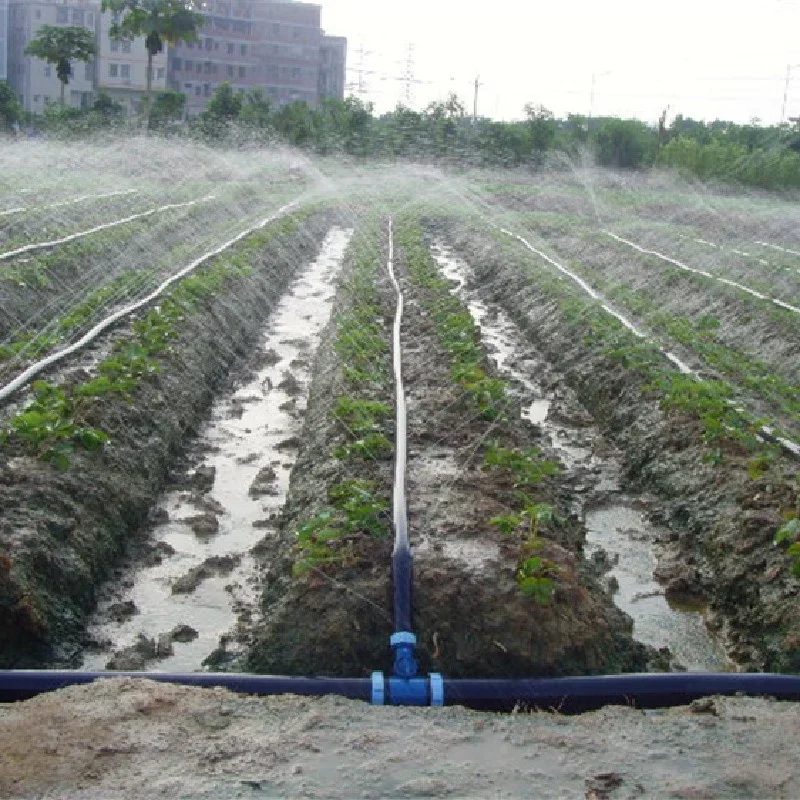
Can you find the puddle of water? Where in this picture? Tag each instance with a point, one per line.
(624, 534)
(475, 553)
(247, 433)
(537, 413)
(618, 529)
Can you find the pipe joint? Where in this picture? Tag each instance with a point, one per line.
(396, 691)
(404, 644)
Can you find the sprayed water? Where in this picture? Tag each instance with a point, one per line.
(622, 532)
(250, 437)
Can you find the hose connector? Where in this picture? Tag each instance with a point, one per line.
(404, 644)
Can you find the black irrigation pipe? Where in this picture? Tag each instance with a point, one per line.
(566, 695)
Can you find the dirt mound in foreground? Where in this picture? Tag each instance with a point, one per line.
(124, 738)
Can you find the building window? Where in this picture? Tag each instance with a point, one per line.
(216, 45)
(189, 65)
(125, 71)
(295, 73)
(126, 47)
(113, 70)
(241, 72)
(209, 44)
(90, 18)
(198, 67)
(38, 16)
(62, 15)
(114, 46)
(230, 71)
(187, 86)
(77, 17)
(48, 71)
(206, 90)
(160, 74)
(197, 90)
(89, 72)
(177, 64)
(276, 29)
(230, 48)
(36, 98)
(243, 49)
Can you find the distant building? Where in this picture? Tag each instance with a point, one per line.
(332, 67)
(122, 67)
(3, 40)
(33, 79)
(272, 45)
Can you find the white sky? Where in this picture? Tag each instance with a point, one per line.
(704, 58)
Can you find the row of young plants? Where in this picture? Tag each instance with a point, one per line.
(727, 432)
(48, 270)
(33, 345)
(358, 506)
(738, 369)
(56, 422)
(488, 396)
(34, 225)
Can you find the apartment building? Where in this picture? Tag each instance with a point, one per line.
(272, 45)
(34, 80)
(122, 67)
(332, 67)
(3, 40)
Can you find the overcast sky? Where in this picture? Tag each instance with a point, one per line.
(704, 58)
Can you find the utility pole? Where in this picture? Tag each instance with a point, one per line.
(478, 84)
(408, 74)
(789, 68)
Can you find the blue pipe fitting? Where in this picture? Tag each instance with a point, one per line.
(378, 689)
(407, 691)
(404, 644)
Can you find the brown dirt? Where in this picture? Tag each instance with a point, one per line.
(124, 739)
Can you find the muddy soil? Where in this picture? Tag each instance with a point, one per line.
(61, 533)
(123, 739)
(470, 616)
(721, 521)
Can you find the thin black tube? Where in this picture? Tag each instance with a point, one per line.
(567, 695)
(402, 575)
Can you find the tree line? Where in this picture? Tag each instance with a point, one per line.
(755, 155)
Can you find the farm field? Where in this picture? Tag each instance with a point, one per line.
(198, 413)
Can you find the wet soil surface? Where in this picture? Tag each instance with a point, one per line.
(470, 616)
(125, 739)
(718, 521)
(63, 533)
(620, 540)
(204, 574)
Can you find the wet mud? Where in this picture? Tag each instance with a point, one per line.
(62, 534)
(469, 614)
(718, 523)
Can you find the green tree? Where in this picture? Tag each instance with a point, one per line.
(159, 21)
(297, 123)
(167, 107)
(256, 110)
(626, 143)
(542, 127)
(223, 109)
(10, 108)
(61, 46)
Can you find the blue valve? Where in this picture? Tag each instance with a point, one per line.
(404, 645)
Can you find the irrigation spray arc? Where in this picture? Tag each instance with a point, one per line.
(404, 686)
